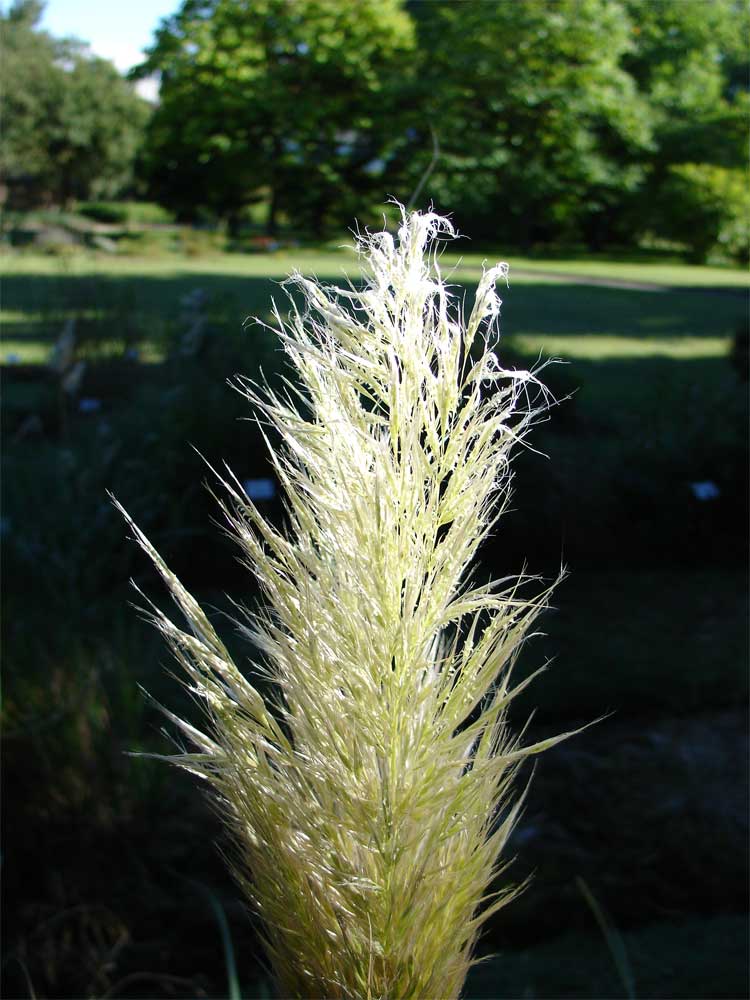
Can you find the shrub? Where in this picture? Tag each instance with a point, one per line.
(370, 800)
(708, 208)
(125, 212)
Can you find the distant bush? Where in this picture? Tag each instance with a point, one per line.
(708, 208)
(175, 240)
(124, 212)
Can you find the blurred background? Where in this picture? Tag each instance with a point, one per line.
(151, 204)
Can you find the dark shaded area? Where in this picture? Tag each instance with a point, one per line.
(648, 807)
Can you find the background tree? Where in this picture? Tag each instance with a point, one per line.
(31, 82)
(691, 64)
(296, 102)
(72, 125)
(594, 121)
(542, 131)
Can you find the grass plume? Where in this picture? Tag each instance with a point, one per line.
(370, 803)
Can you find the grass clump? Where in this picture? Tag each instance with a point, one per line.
(371, 797)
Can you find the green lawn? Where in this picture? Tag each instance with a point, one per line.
(673, 275)
(654, 406)
(335, 261)
(650, 625)
(577, 321)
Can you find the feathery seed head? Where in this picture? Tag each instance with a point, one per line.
(369, 806)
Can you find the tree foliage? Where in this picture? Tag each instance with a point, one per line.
(594, 121)
(692, 65)
(295, 102)
(72, 126)
(541, 128)
(553, 121)
(706, 206)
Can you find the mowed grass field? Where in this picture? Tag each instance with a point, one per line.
(682, 313)
(39, 289)
(650, 625)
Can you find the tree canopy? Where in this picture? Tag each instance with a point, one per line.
(294, 102)
(72, 126)
(541, 127)
(595, 121)
(553, 121)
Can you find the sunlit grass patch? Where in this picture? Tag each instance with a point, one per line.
(323, 263)
(597, 347)
(330, 262)
(25, 352)
(673, 275)
(11, 316)
(551, 269)
(39, 350)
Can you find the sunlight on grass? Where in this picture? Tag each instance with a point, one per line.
(331, 263)
(553, 271)
(673, 275)
(594, 347)
(17, 316)
(267, 265)
(39, 351)
(25, 352)
(144, 295)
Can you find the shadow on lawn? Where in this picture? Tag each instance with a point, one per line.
(528, 307)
